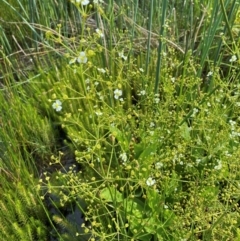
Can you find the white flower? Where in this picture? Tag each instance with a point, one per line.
(82, 58)
(117, 94)
(99, 32)
(123, 156)
(100, 95)
(83, 2)
(98, 113)
(232, 123)
(150, 181)
(233, 59)
(210, 73)
(152, 124)
(156, 100)
(57, 105)
(121, 55)
(195, 111)
(219, 165)
(101, 70)
(143, 92)
(159, 165)
(141, 70)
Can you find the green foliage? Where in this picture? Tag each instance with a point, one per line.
(21, 215)
(151, 113)
(31, 133)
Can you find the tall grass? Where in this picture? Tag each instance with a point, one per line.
(147, 96)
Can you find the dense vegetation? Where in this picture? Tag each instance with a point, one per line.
(119, 120)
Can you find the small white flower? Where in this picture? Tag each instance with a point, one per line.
(141, 70)
(150, 181)
(98, 113)
(195, 111)
(152, 124)
(83, 2)
(121, 55)
(233, 59)
(100, 95)
(219, 165)
(87, 81)
(232, 123)
(101, 70)
(158, 165)
(156, 100)
(173, 79)
(143, 92)
(117, 94)
(82, 58)
(227, 154)
(57, 105)
(123, 156)
(99, 32)
(210, 73)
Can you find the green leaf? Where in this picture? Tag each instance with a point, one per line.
(144, 237)
(148, 151)
(153, 199)
(185, 131)
(119, 135)
(110, 194)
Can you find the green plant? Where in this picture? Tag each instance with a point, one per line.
(155, 131)
(21, 214)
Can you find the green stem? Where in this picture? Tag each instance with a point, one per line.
(160, 47)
